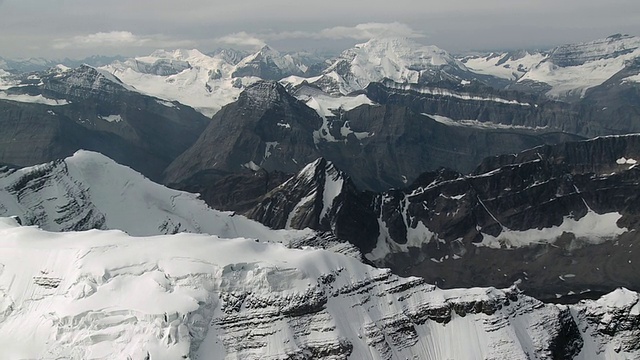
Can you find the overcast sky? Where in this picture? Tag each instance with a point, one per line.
(78, 28)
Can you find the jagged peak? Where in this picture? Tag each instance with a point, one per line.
(402, 46)
(178, 54)
(88, 76)
(317, 174)
(319, 165)
(264, 93)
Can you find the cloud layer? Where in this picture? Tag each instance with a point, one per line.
(360, 32)
(60, 28)
(116, 39)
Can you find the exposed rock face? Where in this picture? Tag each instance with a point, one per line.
(399, 59)
(266, 128)
(90, 191)
(268, 64)
(103, 115)
(160, 67)
(381, 147)
(572, 70)
(490, 106)
(513, 218)
(239, 191)
(403, 144)
(219, 298)
(581, 53)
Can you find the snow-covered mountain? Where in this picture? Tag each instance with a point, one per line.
(205, 82)
(41, 64)
(6, 80)
(189, 76)
(106, 295)
(90, 191)
(571, 70)
(510, 65)
(268, 64)
(399, 59)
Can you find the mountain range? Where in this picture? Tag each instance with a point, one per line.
(78, 294)
(376, 204)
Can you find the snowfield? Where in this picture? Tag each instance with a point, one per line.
(34, 99)
(504, 65)
(588, 65)
(106, 295)
(88, 190)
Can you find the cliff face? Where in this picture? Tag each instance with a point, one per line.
(87, 109)
(508, 108)
(514, 216)
(266, 128)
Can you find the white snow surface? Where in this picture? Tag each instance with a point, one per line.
(633, 79)
(592, 228)
(600, 316)
(91, 189)
(327, 106)
(333, 184)
(6, 80)
(455, 94)
(625, 161)
(511, 69)
(112, 118)
(399, 59)
(34, 99)
(106, 295)
(204, 82)
(574, 81)
(478, 124)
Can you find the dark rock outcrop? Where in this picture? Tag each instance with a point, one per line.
(266, 128)
(489, 227)
(100, 114)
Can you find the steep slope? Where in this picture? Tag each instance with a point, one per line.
(87, 108)
(499, 108)
(193, 78)
(382, 144)
(90, 191)
(544, 216)
(78, 295)
(388, 146)
(266, 128)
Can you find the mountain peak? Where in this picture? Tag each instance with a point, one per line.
(264, 93)
(305, 200)
(266, 49)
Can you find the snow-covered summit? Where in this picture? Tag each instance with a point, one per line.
(268, 64)
(205, 82)
(90, 191)
(400, 59)
(571, 70)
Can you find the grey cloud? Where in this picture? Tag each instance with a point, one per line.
(63, 27)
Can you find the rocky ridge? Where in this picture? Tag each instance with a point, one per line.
(521, 211)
